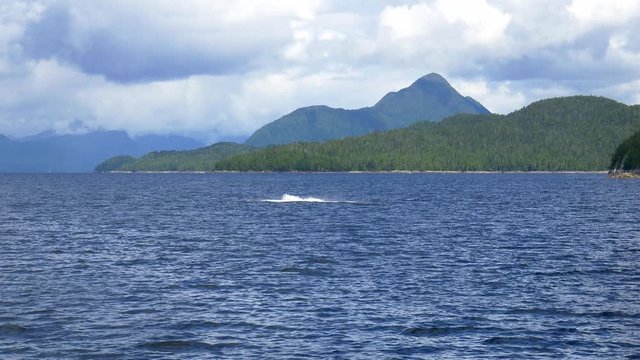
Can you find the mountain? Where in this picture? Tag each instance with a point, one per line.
(79, 153)
(570, 133)
(203, 159)
(429, 98)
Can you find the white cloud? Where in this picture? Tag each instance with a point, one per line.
(407, 21)
(499, 97)
(620, 53)
(630, 90)
(591, 13)
(298, 51)
(443, 35)
(484, 23)
(329, 35)
(473, 22)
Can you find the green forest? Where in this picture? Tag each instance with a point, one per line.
(571, 133)
(203, 159)
(627, 155)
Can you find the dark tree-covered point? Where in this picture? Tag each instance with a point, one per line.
(625, 161)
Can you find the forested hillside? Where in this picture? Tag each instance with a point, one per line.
(203, 159)
(571, 133)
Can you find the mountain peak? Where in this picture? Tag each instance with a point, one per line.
(431, 97)
(433, 77)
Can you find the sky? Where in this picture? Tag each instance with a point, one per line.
(219, 70)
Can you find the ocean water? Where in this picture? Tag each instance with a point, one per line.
(358, 266)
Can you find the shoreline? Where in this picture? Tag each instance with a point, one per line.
(624, 175)
(603, 172)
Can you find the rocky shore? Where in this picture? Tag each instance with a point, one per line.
(632, 174)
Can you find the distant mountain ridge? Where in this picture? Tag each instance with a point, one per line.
(50, 152)
(577, 133)
(429, 98)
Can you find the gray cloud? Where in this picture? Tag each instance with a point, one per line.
(582, 64)
(142, 50)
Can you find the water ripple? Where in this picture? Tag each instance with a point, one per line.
(460, 266)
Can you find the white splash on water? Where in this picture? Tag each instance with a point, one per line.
(292, 198)
(288, 198)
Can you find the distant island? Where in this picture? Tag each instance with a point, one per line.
(625, 162)
(577, 133)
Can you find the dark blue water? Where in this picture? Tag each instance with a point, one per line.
(399, 266)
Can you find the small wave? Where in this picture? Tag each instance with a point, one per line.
(569, 313)
(514, 340)
(141, 311)
(437, 330)
(185, 345)
(302, 271)
(13, 329)
(417, 350)
(320, 260)
(613, 314)
(197, 324)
